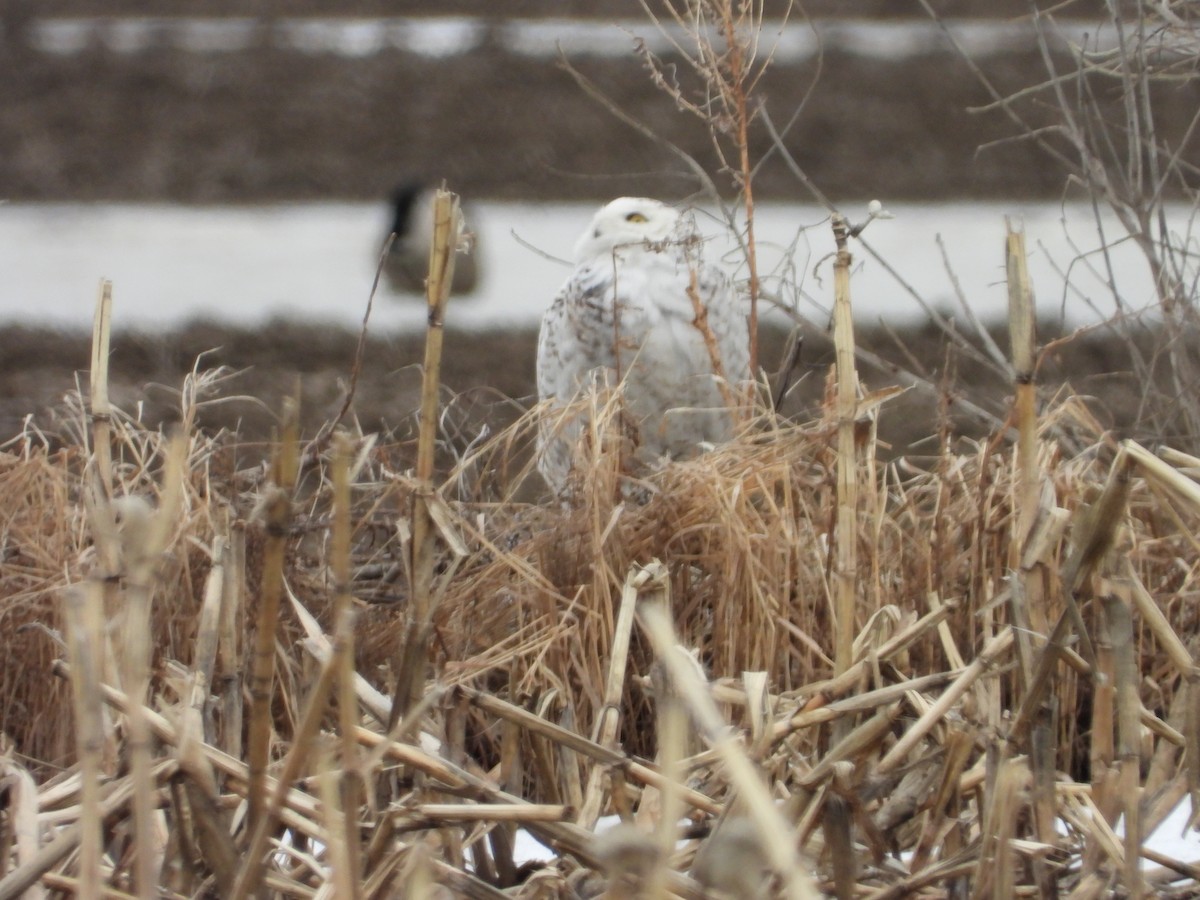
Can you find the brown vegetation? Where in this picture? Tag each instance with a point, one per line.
(949, 707)
(489, 378)
(349, 665)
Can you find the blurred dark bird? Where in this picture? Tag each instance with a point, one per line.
(407, 263)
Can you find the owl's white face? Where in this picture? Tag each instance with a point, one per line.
(626, 220)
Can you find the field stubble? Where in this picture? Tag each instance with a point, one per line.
(879, 645)
(556, 692)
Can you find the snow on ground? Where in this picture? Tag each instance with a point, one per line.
(788, 42)
(316, 262)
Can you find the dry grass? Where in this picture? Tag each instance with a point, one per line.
(790, 665)
(1018, 677)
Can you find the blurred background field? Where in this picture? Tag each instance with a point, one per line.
(278, 103)
(224, 109)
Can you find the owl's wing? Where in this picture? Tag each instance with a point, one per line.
(728, 319)
(727, 312)
(577, 333)
(576, 338)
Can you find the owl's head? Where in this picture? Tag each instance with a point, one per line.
(626, 220)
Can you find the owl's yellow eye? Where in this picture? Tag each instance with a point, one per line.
(636, 217)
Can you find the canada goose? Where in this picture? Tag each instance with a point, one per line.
(407, 263)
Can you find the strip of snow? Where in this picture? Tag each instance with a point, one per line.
(792, 42)
(243, 265)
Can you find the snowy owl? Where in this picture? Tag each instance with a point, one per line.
(643, 309)
(407, 263)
